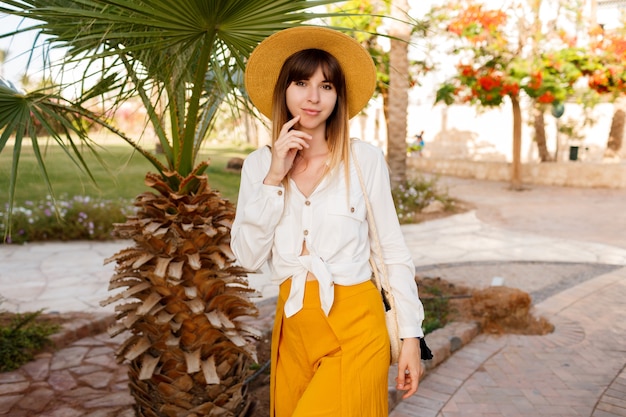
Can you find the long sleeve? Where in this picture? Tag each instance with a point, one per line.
(259, 209)
(396, 255)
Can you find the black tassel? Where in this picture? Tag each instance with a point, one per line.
(426, 352)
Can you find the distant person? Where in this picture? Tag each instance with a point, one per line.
(301, 209)
(418, 144)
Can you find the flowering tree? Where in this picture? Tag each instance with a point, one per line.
(495, 67)
(607, 76)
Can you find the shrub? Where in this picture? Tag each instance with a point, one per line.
(76, 218)
(414, 195)
(21, 338)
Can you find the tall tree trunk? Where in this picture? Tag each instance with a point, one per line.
(252, 132)
(398, 91)
(540, 134)
(516, 166)
(616, 134)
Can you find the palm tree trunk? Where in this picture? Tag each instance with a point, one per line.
(540, 134)
(186, 305)
(516, 166)
(398, 92)
(616, 134)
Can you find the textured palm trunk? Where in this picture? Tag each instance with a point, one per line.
(516, 166)
(540, 134)
(185, 305)
(398, 92)
(616, 134)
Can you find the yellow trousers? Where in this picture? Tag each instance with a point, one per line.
(335, 366)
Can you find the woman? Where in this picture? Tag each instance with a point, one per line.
(301, 209)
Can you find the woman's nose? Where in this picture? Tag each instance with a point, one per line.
(314, 95)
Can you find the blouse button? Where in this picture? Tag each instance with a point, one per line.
(306, 233)
(307, 203)
(351, 209)
(280, 192)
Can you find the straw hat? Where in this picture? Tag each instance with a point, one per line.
(268, 58)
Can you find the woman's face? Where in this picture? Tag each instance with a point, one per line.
(313, 100)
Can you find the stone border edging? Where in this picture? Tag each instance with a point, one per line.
(80, 325)
(443, 343)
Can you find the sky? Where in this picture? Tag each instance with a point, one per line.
(16, 61)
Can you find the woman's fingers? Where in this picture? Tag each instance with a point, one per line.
(293, 139)
(284, 151)
(407, 382)
(287, 126)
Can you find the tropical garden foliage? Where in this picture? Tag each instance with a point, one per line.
(179, 296)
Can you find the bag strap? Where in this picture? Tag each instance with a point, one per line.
(381, 277)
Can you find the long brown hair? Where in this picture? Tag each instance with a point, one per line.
(301, 66)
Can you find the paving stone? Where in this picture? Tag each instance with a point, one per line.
(108, 412)
(100, 350)
(85, 369)
(13, 388)
(107, 361)
(7, 402)
(115, 399)
(11, 377)
(64, 412)
(37, 401)
(88, 341)
(68, 357)
(83, 393)
(38, 369)
(62, 381)
(97, 379)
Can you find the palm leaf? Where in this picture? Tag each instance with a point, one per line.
(182, 58)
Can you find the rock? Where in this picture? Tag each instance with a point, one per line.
(234, 164)
(435, 206)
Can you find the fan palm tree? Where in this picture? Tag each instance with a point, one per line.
(179, 297)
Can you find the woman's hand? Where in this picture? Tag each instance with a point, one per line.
(409, 367)
(284, 151)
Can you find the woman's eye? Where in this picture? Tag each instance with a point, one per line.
(299, 83)
(327, 86)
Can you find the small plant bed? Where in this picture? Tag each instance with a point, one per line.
(421, 199)
(22, 336)
(498, 310)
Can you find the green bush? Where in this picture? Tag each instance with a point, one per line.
(21, 338)
(436, 314)
(414, 195)
(76, 218)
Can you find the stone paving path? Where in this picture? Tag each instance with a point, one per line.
(579, 370)
(565, 246)
(81, 380)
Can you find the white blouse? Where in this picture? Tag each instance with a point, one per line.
(272, 222)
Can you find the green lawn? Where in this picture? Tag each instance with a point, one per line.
(123, 176)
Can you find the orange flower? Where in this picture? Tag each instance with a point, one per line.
(466, 70)
(510, 89)
(488, 83)
(536, 80)
(546, 98)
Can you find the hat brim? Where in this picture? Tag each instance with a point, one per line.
(268, 58)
